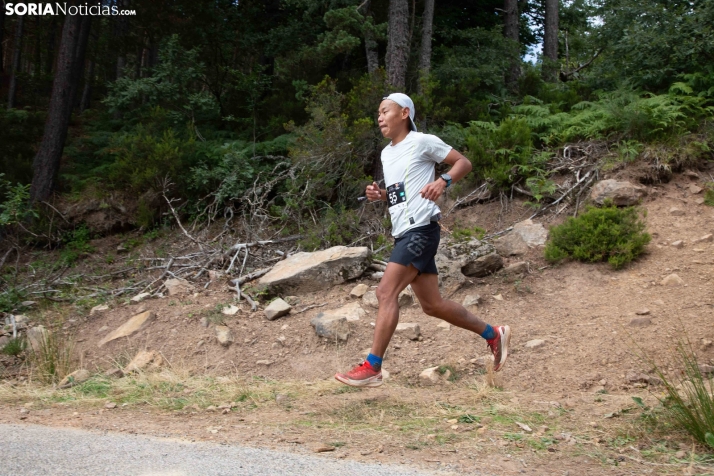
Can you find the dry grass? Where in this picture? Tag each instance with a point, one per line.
(53, 358)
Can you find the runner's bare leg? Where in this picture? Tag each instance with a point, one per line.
(426, 288)
(396, 278)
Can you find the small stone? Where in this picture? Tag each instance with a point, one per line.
(430, 376)
(377, 276)
(672, 280)
(215, 275)
(498, 297)
(28, 303)
(204, 322)
(680, 454)
(110, 405)
(705, 239)
(102, 329)
(130, 327)
(144, 360)
(700, 201)
(405, 298)
(472, 300)
(324, 449)
(75, 378)
(535, 343)
(695, 189)
(409, 330)
(642, 312)
(277, 308)
(516, 268)
(121, 248)
(524, 427)
(224, 336)
(706, 343)
(679, 244)
(370, 299)
(98, 310)
(231, 310)
(676, 212)
(176, 286)
(444, 325)
(267, 363)
(640, 322)
(140, 297)
(359, 291)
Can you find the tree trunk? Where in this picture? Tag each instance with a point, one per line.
(79, 57)
(86, 100)
(510, 31)
(370, 44)
(49, 61)
(47, 160)
(398, 44)
(550, 41)
(2, 37)
(427, 30)
(17, 48)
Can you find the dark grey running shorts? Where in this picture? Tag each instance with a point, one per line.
(418, 247)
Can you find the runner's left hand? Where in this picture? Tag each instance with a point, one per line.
(433, 190)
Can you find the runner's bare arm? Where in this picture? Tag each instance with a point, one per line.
(374, 193)
(460, 166)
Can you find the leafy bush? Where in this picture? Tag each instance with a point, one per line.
(76, 244)
(709, 194)
(337, 227)
(609, 233)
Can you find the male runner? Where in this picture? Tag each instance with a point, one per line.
(408, 163)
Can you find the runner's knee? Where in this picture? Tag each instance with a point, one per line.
(431, 308)
(384, 294)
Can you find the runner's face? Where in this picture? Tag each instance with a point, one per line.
(392, 118)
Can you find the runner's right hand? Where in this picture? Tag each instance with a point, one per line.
(373, 192)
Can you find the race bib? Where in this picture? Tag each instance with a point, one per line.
(397, 196)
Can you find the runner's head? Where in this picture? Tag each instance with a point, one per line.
(396, 113)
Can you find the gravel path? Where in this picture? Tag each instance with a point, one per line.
(29, 450)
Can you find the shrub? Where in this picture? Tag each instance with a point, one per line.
(709, 194)
(609, 233)
(14, 346)
(53, 359)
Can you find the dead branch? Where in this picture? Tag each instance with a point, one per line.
(4, 258)
(307, 308)
(166, 271)
(468, 199)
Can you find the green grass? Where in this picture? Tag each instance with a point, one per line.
(15, 346)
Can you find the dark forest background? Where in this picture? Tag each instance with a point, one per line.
(267, 109)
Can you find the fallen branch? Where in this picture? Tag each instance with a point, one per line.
(166, 271)
(467, 199)
(307, 308)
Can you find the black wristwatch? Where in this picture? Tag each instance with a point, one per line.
(447, 179)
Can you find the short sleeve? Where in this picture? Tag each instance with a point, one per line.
(434, 148)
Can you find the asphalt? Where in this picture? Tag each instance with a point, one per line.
(29, 450)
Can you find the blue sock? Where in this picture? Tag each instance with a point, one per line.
(374, 361)
(489, 333)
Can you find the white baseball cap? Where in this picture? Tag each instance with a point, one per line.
(404, 101)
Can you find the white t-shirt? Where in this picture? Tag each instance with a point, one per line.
(408, 167)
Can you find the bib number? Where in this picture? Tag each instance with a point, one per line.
(397, 195)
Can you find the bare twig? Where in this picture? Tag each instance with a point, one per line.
(307, 308)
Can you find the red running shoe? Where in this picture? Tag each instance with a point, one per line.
(363, 375)
(499, 346)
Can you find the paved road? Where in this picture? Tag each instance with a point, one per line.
(29, 450)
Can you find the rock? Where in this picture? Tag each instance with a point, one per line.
(705, 239)
(230, 310)
(409, 330)
(405, 298)
(535, 343)
(144, 360)
(640, 322)
(28, 303)
(642, 312)
(307, 272)
(516, 268)
(700, 201)
(110, 405)
(676, 212)
(177, 286)
(695, 189)
(276, 309)
(140, 297)
(706, 344)
(102, 329)
(204, 322)
(323, 449)
(511, 245)
(116, 372)
(377, 276)
(524, 427)
(266, 363)
(370, 299)
(224, 336)
(679, 244)
(121, 248)
(472, 300)
(622, 194)
(672, 280)
(483, 266)
(498, 297)
(359, 291)
(37, 336)
(533, 234)
(96, 310)
(4, 340)
(430, 376)
(75, 378)
(215, 275)
(452, 257)
(331, 325)
(130, 327)
(444, 325)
